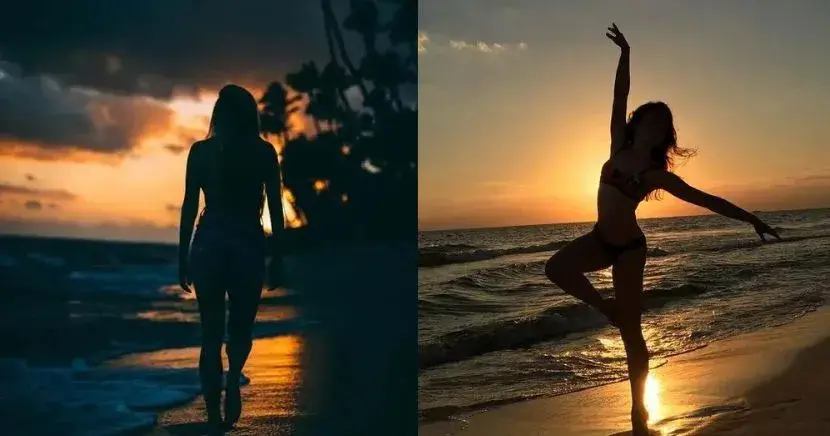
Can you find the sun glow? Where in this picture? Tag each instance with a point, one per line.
(652, 399)
(192, 114)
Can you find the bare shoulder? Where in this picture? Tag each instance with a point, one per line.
(268, 150)
(198, 149)
(267, 145)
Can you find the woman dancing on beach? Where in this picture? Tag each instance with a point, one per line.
(234, 168)
(642, 153)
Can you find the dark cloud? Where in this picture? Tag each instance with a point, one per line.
(175, 149)
(172, 208)
(92, 76)
(33, 205)
(156, 47)
(40, 111)
(817, 178)
(55, 194)
(54, 226)
(31, 177)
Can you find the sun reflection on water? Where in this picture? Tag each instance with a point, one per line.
(652, 399)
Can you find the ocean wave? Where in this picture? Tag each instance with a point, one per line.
(749, 244)
(508, 333)
(490, 278)
(502, 277)
(451, 253)
(447, 247)
(453, 303)
(78, 400)
(431, 258)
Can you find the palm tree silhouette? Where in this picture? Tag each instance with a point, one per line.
(357, 172)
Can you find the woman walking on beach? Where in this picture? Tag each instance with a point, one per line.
(643, 150)
(234, 168)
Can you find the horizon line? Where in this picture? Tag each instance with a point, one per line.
(485, 227)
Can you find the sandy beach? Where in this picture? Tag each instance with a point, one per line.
(269, 400)
(768, 382)
(350, 368)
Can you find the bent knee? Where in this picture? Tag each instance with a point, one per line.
(556, 270)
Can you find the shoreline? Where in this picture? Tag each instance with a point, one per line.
(719, 389)
(373, 384)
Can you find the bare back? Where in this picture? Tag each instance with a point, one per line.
(232, 174)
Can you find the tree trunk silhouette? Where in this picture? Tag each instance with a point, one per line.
(328, 14)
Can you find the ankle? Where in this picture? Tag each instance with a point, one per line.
(232, 381)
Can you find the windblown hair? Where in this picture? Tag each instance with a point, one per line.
(667, 152)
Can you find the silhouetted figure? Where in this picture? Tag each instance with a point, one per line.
(234, 168)
(642, 153)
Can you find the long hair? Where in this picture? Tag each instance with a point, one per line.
(234, 125)
(235, 114)
(666, 153)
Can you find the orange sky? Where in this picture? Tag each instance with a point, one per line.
(138, 192)
(516, 103)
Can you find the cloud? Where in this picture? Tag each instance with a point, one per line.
(434, 43)
(33, 205)
(423, 40)
(54, 194)
(175, 149)
(50, 225)
(31, 177)
(160, 47)
(172, 208)
(40, 117)
(820, 178)
(483, 47)
(95, 77)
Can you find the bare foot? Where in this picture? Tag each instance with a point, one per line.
(639, 421)
(233, 403)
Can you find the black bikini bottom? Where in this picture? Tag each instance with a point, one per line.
(614, 251)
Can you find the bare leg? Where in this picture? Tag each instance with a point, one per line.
(212, 316)
(628, 286)
(567, 268)
(244, 303)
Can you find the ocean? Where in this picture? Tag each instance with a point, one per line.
(493, 330)
(69, 306)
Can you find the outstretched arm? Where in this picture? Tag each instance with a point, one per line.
(622, 84)
(190, 206)
(676, 186)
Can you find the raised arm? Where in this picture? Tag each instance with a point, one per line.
(190, 206)
(674, 185)
(622, 84)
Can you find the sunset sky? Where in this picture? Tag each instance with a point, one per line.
(515, 99)
(100, 101)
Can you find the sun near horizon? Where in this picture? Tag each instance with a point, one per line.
(517, 104)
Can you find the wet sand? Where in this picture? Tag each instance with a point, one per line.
(350, 370)
(768, 382)
(270, 400)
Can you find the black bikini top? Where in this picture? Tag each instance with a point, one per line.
(629, 185)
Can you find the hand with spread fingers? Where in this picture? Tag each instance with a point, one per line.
(614, 34)
(762, 229)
